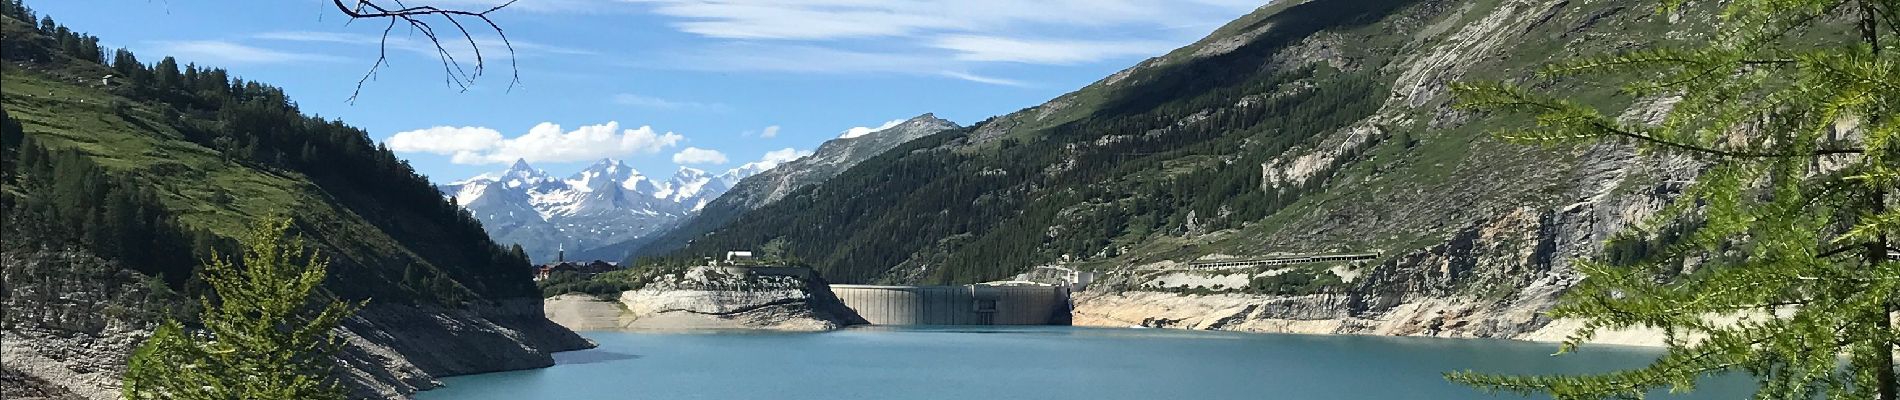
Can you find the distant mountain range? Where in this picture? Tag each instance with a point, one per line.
(608, 209)
(605, 204)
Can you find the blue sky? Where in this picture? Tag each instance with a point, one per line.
(660, 83)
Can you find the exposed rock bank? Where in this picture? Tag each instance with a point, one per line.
(72, 321)
(395, 350)
(713, 298)
(587, 313)
(1326, 314)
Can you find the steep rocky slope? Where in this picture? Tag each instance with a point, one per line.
(114, 190)
(832, 158)
(1318, 126)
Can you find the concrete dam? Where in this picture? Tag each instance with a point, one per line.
(957, 305)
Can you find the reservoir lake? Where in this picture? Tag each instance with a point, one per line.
(1040, 362)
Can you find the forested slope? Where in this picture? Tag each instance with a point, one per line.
(150, 168)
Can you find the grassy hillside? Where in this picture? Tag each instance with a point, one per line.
(213, 153)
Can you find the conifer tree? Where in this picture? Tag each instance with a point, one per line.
(1792, 216)
(267, 334)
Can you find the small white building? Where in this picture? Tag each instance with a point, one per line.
(737, 256)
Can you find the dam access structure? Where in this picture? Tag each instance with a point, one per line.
(957, 305)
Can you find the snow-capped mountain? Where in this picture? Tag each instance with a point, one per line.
(606, 203)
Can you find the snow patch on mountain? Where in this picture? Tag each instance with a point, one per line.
(607, 203)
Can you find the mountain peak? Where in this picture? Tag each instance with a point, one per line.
(521, 164)
(608, 166)
(688, 172)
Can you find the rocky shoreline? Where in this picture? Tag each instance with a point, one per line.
(704, 298)
(1329, 315)
(393, 351)
(70, 324)
(389, 352)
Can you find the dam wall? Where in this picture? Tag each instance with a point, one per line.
(957, 305)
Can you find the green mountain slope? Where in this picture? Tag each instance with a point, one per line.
(153, 167)
(1153, 152)
(1306, 127)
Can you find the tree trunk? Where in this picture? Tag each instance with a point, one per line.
(1877, 253)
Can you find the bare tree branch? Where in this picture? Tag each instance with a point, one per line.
(419, 19)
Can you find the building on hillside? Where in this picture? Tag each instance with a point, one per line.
(561, 264)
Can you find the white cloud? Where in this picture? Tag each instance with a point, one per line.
(545, 142)
(773, 158)
(769, 132)
(444, 140)
(780, 156)
(861, 131)
(634, 100)
(1044, 51)
(984, 79)
(225, 52)
(695, 155)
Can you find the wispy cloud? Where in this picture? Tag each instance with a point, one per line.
(921, 37)
(797, 58)
(491, 47)
(769, 132)
(1045, 51)
(843, 19)
(540, 6)
(226, 52)
(984, 79)
(635, 100)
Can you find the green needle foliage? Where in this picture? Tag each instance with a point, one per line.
(1792, 219)
(265, 336)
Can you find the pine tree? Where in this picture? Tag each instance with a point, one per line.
(266, 335)
(1792, 216)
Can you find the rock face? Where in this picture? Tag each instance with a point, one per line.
(831, 158)
(394, 351)
(72, 320)
(788, 299)
(581, 312)
(1491, 278)
(1502, 226)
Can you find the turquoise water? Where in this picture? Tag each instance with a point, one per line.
(1033, 363)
